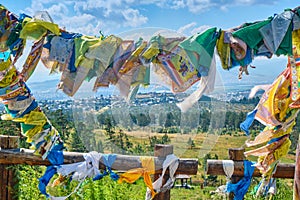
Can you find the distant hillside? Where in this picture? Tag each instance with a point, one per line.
(228, 90)
(46, 90)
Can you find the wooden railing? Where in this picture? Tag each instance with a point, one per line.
(10, 154)
(215, 167)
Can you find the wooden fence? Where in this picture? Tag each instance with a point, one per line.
(215, 167)
(10, 154)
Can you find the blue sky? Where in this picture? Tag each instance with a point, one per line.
(116, 16)
(182, 16)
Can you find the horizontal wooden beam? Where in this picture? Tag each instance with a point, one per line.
(215, 167)
(122, 162)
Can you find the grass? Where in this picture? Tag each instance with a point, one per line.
(204, 143)
(196, 193)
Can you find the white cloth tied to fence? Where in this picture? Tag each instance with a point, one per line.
(172, 162)
(228, 167)
(81, 170)
(87, 168)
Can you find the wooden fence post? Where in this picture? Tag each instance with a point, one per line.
(7, 180)
(161, 151)
(122, 163)
(235, 154)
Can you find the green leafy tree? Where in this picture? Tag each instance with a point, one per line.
(153, 140)
(143, 120)
(133, 118)
(138, 149)
(128, 143)
(74, 143)
(60, 120)
(204, 120)
(9, 128)
(191, 143)
(165, 139)
(170, 121)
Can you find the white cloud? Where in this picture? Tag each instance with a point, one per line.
(184, 28)
(90, 15)
(89, 29)
(133, 18)
(198, 5)
(172, 4)
(135, 34)
(119, 13)
(80, 24)
(191, 29)
(200, 29)
(224, 8)
(177, 4)
(36, 5)
(58, 10)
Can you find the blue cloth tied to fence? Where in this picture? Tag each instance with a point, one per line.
(240, 188)
(56, 158)
(108, 160)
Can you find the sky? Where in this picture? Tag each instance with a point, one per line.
(183, 17)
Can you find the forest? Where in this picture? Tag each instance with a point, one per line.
(135, 131)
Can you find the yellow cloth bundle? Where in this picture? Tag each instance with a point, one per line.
(146, 170)
(36, 29)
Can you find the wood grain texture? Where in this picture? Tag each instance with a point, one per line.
(215, 167)
(122, 162)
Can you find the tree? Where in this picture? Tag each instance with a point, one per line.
(60, 121)
(138, 149)
(85, 132)
(191, 143)
(204, 120)
(133, 118)
(128, 143)
(165, 139)
(118, 141)
(153, 140)
(74, 143)
(9, 128)
(170, 120)
(143, 120)
(109, 129)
